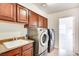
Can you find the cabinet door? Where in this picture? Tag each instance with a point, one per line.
(22, 14)
(15, 52)
(33, 19)
(28, 52)
(40, 21)
(25, 47)
(45, 23)
(8, 11)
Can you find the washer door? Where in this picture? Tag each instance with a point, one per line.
(44, 38)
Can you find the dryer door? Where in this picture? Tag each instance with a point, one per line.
(52, 37)
(44, 38)
(52, 34)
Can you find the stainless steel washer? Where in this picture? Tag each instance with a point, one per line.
(40, 36)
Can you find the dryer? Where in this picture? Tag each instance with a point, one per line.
(51, 40)
(40, 37)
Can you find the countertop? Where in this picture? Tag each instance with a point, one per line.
(4, 49)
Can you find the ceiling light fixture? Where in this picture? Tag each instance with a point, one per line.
(47, 4)
(44, 4)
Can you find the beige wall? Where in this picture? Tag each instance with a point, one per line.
(53, 22)
(11, 30)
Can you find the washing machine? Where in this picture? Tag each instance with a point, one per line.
(40, 37)
(51, 41)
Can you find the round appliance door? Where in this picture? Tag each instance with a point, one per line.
(52, 34)
(44, 38)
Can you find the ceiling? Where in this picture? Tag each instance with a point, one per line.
(56, 7)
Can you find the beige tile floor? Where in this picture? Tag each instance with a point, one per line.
(54, 52)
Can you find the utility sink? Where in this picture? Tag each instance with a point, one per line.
(15, 43)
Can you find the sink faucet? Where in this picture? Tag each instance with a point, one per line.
(13, 38)
(16, 38)
(25, 37)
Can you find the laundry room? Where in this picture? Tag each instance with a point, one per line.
(39, 29)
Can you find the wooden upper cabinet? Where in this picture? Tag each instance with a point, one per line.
(40, 21)
(33, 19)
(8, 11)
(16, 12)
(22, 14)
(45, 23)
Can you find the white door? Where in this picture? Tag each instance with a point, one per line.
(66, 36)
